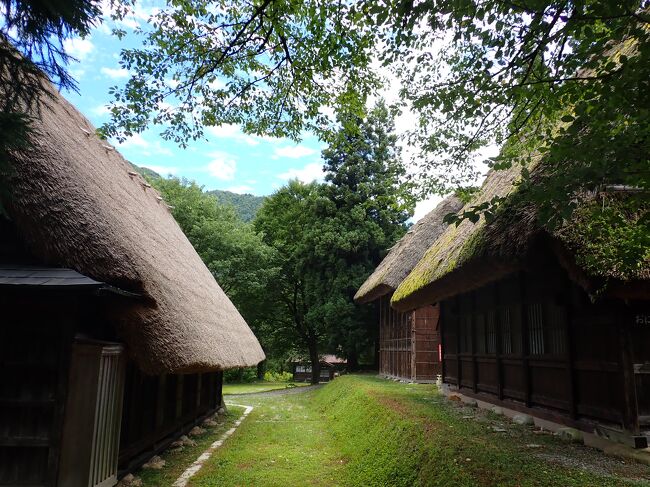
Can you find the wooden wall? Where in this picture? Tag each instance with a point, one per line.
(537, 340)
(157, 409)
(33, 377)
(408, 342)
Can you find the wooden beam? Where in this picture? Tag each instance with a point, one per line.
(570, 352)
(525, 346)
(473, 340)
(499, 338)
(630, 411)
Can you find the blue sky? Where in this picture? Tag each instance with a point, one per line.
(228, 159)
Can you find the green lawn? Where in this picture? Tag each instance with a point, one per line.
(364, 431)
(258, 386)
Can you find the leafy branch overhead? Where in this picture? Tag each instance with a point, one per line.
(270, 66)
(564, 79)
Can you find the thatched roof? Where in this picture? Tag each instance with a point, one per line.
(407, 252)
(77, 203)
(471, 255)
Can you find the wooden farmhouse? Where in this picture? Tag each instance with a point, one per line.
(541, 321)
(330, 365)
(408, 341)
(114, 334)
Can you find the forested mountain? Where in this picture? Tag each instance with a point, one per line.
(246, 205)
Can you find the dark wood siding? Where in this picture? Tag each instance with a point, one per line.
(536, 339)
(34, 349)
(159, 408)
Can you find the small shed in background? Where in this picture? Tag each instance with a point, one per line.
(330, 367)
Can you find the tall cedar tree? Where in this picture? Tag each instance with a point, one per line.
(372, 202)
(331, 236)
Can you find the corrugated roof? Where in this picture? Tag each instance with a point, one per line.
(26, 275)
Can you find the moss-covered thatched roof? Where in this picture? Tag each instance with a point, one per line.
(407, 252)
(602, 243)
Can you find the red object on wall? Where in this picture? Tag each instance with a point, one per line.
(440, 352)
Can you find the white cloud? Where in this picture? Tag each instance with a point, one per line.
(293, 152)
(100, 110)
(232, 132)
(240, 189)
(162, 170)
(114, 73)
(136, 140)
(307, 174)
(222, 166)
(78, 48)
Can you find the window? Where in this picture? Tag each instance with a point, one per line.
(546, 329)
(535, 329)
(491, 332)
(506, 331)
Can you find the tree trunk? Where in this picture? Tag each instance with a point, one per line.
(261, 369)
(353, 361)
(315, 362)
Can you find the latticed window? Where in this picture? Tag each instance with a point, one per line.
(536, 329)
(506, 331)
(546, 329)
(491, 332)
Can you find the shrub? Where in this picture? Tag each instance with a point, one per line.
(278, 376)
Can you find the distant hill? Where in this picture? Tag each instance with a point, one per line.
(246, 205)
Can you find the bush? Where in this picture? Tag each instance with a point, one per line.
(278, 376)
(246, 375)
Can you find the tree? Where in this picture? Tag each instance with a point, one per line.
(268, 65)
(331, 236)
(559, 80)
(286, 220)
(542, 74)
(371, 203)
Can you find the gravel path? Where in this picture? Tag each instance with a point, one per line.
(277, 392)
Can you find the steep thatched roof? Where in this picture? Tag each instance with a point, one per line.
(77, 203)
(470, 255)
(407, 252)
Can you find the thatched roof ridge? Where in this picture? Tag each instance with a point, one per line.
(470, 255)
(77, 203)
(403, 256)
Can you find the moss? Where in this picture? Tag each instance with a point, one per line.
(611, 238)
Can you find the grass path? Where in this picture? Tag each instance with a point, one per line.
(284, 442)
(363, 431)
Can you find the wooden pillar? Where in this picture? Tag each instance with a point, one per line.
(630, 405)
(570, 351)
(414, 325)
(179, 395)
(199, 379)
(473, 341)
(459, 338)
(441, 333)
(498, 337)
(524, 337)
